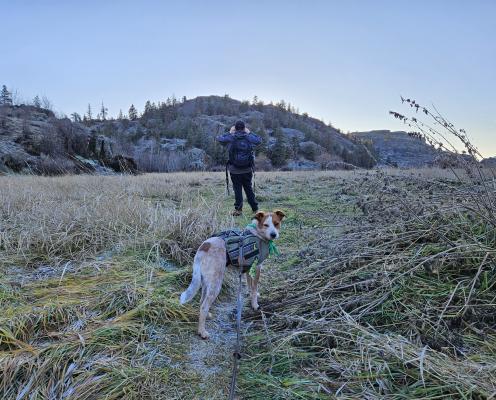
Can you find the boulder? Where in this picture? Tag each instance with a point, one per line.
(173, 144)
(302, 165)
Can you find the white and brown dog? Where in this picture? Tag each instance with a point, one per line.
(211, 260)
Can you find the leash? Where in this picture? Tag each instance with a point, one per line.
(237, 349)
(227, 180)
(253, 170)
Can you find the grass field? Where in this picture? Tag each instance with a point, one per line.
(386, 288)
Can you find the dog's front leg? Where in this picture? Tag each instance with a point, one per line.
(254, 288)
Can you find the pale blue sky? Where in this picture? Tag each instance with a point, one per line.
(344, 61)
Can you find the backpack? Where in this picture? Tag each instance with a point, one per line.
(241, 152)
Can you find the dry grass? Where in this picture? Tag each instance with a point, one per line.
(71, 218)
(386, 287)
(401, 305)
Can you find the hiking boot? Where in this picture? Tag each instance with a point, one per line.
(237, 213)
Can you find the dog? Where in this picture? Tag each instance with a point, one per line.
(212, 259)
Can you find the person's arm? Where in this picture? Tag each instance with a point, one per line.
(254, 139)
(225, 138)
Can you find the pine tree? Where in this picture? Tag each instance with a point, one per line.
(103, 112)
(295, 147)
(281, 105)
(37, 101)
(120, 117)
(5, 97)
(76, 117)
(265, 138)
(133, 113)
(89, 113)
(148, 108)
(279, 151)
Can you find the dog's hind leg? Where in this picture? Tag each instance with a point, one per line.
(213, 269)
(203, 294)
(211, 294)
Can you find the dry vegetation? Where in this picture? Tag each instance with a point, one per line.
(386, 287)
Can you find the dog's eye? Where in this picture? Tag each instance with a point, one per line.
(266, 225)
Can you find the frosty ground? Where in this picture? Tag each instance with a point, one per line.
(385, 288)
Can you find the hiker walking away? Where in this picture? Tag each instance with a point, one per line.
(240, 143)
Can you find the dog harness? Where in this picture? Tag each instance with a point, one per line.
(255, 249)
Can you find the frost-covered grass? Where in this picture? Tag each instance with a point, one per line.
(385, 288)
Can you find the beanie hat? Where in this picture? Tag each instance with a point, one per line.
(239, 126)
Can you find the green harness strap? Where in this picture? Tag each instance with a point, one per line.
(273, 250)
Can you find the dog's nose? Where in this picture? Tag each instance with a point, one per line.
(273, 235)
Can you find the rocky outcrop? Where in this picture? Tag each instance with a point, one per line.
(33, 140)
(489, 162)
(398, 149)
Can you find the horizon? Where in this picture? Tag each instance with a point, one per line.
(348, 71)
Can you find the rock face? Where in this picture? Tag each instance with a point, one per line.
(489, 162)
(33, 140)
(398, 149)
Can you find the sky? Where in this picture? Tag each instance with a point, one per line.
(346, 62)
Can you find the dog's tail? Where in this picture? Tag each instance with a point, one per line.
(195, 284)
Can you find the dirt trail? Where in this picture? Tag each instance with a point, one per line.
(212, 359)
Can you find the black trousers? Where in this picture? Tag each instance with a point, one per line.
(240, 182)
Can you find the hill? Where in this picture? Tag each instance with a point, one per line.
(170, 136)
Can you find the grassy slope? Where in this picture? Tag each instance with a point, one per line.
(108, 324)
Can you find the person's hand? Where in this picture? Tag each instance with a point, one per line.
(232, 130)
(247, 130)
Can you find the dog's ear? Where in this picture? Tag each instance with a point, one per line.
(259, 216)
(280, 214)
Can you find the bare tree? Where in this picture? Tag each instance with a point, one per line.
(46, 103)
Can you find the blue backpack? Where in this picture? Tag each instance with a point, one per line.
(241, 151)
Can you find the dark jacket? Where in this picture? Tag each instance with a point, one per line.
(227, 139)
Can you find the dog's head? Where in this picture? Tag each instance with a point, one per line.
(269, 223)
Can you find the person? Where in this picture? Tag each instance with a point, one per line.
(240, 143)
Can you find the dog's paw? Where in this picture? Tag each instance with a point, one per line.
(255, 306)
(204, 335)
(209, 315)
